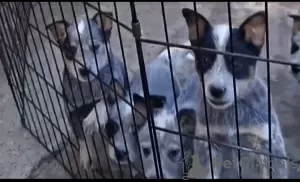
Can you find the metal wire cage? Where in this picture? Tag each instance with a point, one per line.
(36, 85)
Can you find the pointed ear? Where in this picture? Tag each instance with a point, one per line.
(120, 91)
(156, 102)
(187, 120)
(58, 30)
(296, 23)
(111, 128)
(254, 29)
(195, 21)
(100, 18)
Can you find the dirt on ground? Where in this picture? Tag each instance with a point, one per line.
(21, 156)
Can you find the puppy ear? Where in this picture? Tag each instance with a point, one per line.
(111, 128)
(120, 91)
(194, 20)
(254, 29)
(58, 30)
(187, 120)
(156, 102)
(104, 22)
(296, 23)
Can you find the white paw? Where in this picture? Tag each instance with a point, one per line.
(90, 125)
(85, 161)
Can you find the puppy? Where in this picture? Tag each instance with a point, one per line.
(295, 43)
(135, 126)
(252, 100)
(76, 76)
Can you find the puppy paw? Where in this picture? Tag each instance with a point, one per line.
(90, 125)
(85, 161)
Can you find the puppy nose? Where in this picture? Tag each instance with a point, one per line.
(84, 72)
(217, 92)
(120, 154)
(295, 69)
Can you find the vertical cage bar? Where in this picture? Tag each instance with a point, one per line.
(136, 30)
(60, 107)
(80, 88)
(268, 85)
(234, 90)
(105, 102)
(129, 89)
(204, 101)
(172, 79)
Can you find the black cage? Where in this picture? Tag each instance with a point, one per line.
(36, 86)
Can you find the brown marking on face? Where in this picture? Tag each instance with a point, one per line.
(58, 30)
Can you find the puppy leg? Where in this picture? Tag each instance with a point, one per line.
(258, 165)
(86, 153)
(201, 149)
(90, 124)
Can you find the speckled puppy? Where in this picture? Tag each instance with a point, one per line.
(96, 56)
(251, 92)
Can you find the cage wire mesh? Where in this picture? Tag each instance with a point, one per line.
(36, 85)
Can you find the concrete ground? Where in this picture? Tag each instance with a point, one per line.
(21, 156)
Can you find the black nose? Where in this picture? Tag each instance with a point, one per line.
(84, 72)
(217, 92)
(295, 69)
(120, 154)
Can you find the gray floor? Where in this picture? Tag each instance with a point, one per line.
(21, 156)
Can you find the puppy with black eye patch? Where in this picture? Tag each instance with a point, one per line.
(295, 44)
(134, 125)
(86, 49)
(252, 98)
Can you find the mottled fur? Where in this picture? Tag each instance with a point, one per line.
(83, 44)
(251, 92)
(159, 81)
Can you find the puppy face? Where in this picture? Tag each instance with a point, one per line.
(295, 44)
(217, 68)
(129, 121)
(169, 146)
(69, 36)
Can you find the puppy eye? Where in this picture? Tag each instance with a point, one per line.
(173, 153)
(146, 151)
(95, 47)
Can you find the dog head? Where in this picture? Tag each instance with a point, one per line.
(169, 146)
(91, 34)
(295, 44)
(130, 121)
(217, 69)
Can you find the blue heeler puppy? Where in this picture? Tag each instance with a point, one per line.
(251, 93)
(162, 101)
(75, 77)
